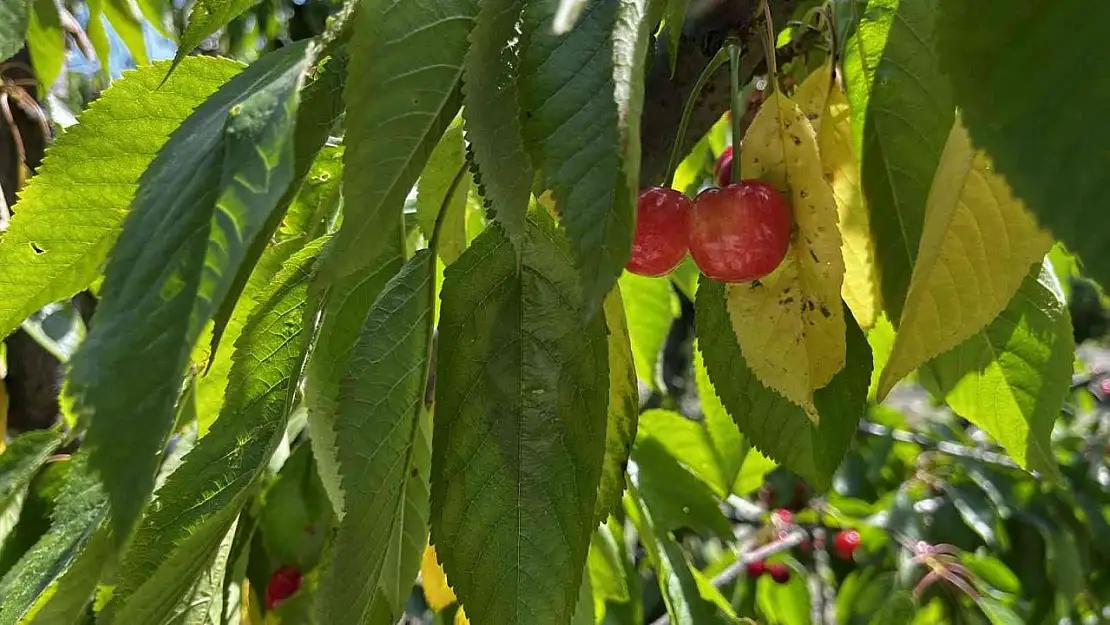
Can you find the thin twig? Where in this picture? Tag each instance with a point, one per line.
(944, 447)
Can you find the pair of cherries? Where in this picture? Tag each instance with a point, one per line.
(735, 232)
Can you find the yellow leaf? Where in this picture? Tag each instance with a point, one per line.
(824, 103)
(437, 592)
(790, 325)
(977, 246)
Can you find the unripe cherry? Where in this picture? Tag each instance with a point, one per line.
(741, 232)
(662, 232)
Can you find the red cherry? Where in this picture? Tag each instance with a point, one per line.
(782, 517)
(1104, 386)
(755, 569)
(740, 233)
(662, 232)
(722, 172)
(283, 583)
(779, 572)
(846, 544)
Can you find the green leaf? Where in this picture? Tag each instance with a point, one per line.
(573, 132)
(977, 246)
(1043, 144)
(197, 507)
(82, 505)
(437, 179)
(675, 18)
(1010, 379)
(996, 611)
(318, 196)
(493, 116)
(347, 303)
(684, 602)
(402, 92)
(898, 609)
(605, 565)
(127, 23)
(651, 307)
(46, 41)
(902, 111)
(992, 571)
(774, 425)
(678, 498)
(521, 395)
(19, 462)
(67, 600)
(710, 448)
(15, 15)
(384, 447)
(70, 213)
(785, 604)
(199, 206)
(205, 18)
(624, 408)
(979, 514)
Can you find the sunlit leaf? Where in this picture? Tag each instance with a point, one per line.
(14, 17)
(205, 18)
(46, 41)
(651, 307)
(710, 448)
(437, 179)
(623, 408)
(791, 323)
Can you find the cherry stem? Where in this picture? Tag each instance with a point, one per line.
(772, 68)
(680, 137)
(734, 85)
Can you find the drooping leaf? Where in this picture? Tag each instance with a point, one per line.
(82, 506)
(684, 603)
(436, 181)
(791, 323)
(383, 440)
(493, 117)
(675, 17)
(22, 458)
(521, 396)
(573, 132)
(774, 425)
(710, 448)
(197, 507)
(15, 15)
(651, 307)
(825, 104)
(70, 212)
(199, 206)
(624, 408)
(606, 567)
(977, 246)
(1011, 377)
(679, 499)
(205, 18)
(998, 613)
(1044, 144)
(402, 92)
(902, 112)
(46, 41)
(204, 603)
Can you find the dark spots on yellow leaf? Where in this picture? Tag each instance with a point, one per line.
(825, 311)
(809, 305)
(786, 301)
(812, 116)
(796, 139)
(813, 255)
(803, 194)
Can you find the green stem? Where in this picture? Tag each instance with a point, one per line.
(680, 137)
(772, 67)
(734, 97)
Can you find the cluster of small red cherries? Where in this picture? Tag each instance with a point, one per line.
(734, 232)
(845, 544)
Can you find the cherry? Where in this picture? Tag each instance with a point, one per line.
(662, 232)
(722, 172)
(846, 544)
(782, 517)
(779, 572)
(283, 583)
(757, 568)
(740, 233)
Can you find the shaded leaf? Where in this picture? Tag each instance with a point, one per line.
(1010, 379)
(572, 130)
(521, 395)
(493, 116)
(435, 182)
(402, 92)
(976, 248)
(992, 571)
(979, 514)
(19, 462)
(785, 604)
(998, 612)
(710, 448)
(623, 408)
(384, 445)
(675, 17)
(199, 206)
(1044, 144)
(82, 506)
(67, 600)
(196, 508)
(678, 498)
(15, 15)
(58, 243)
(651, 307)
(902, 112)
(791, 323)
(772, 424)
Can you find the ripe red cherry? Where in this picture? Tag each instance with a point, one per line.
(283, 583)
(846, 544)
(662, 234)
(779, 572)
(740, 233)
(722, 172)
(757, 568)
